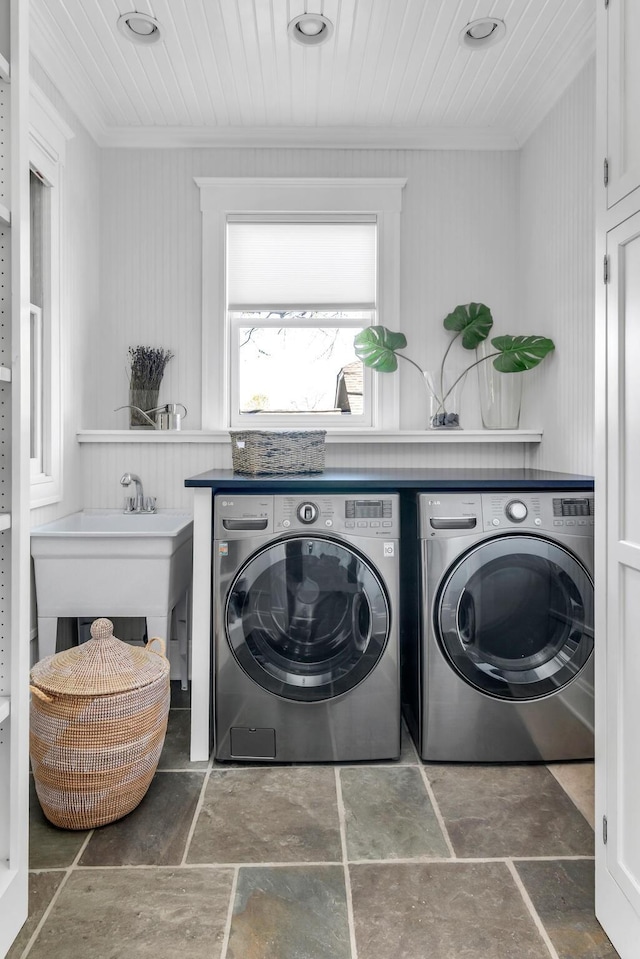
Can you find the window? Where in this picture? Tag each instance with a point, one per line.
(292, 270)
(48, 135)
(298, 291)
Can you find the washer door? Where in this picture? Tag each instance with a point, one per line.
(514, 615)
(307, 618)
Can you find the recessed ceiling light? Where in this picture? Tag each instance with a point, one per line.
(482, 33)
(310, 29)
(139, 27)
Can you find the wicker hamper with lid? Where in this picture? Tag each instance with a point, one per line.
(98, 720)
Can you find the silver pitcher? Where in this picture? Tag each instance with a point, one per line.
(168, 418)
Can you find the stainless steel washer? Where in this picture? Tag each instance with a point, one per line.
(501, 669)
(305, 638)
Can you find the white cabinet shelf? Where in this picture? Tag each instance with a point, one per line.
(333, 436)
(5, 374)
(5, 708)
(5, 215)
(5, 69)
(5, 521)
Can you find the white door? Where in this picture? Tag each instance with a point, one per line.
(618, 605)
(623, 98)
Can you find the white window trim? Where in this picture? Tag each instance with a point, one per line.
(222, 196)
(48, 134)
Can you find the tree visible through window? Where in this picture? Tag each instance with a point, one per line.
(294, 368)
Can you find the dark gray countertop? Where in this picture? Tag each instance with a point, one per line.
(338, 480)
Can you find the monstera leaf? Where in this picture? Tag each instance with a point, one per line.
(520, 353)
(376, 347)
(473, 321)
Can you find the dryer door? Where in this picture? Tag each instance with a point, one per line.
(514, 615)
(307, 618)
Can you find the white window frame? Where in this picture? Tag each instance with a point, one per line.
(48, 134)
(221, 197)
(38, 352)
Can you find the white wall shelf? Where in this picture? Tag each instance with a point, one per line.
(5, 215)
(5, 521)
(5, 374)
(5, 708)
(5, 69)
(456, 437)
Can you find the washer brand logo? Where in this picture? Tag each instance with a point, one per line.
(389, 549)
(434, 502)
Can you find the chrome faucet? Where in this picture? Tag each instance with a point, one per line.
(138, 503)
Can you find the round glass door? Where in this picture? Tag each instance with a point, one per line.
(307, 618)
(514, 616)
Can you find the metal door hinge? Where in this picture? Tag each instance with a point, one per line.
(604, 830)
(605, 272)
(605, 175)
(606, 4)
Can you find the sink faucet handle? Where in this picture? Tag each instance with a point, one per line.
(149, 504)
(128, 505)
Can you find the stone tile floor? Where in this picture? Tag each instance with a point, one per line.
(396, 860)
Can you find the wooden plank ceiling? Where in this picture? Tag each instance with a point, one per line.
(393, 73)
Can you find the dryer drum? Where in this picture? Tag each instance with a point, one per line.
(514, 616)
(307, 618)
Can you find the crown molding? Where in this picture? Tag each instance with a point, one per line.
(329, 138)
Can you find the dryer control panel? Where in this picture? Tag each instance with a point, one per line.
(444, 515)
(547, 510)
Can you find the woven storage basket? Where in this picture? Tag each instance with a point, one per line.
(278, 451)
(98, 721)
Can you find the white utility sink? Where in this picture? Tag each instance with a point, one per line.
(110, 563)
(113, 522)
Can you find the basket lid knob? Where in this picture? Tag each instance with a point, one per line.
(101, 629)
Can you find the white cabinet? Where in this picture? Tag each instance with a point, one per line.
(14, 470)
(618, 477)
(618, 851)
(622, 150)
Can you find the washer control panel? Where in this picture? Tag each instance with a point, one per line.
(352, 515)
(240, 516)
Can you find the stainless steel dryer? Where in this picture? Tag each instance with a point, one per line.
(306, 646)
(502, 667)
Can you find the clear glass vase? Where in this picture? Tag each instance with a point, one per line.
(500, 393)
(143, 400)
(445, 392)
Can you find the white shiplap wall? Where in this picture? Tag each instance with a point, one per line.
(459, 224)
(557, 292)
(458, 227)
(513, 230)
(163, 469)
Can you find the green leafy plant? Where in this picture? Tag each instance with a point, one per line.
(378, 348)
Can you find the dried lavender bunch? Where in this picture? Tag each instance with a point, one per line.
(147, 367)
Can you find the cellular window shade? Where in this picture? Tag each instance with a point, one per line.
(301, 265)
